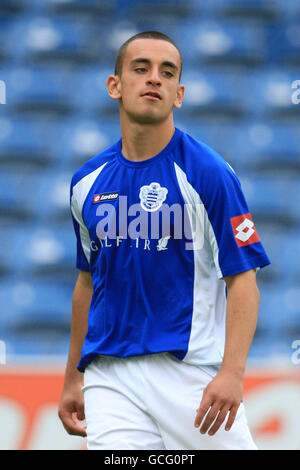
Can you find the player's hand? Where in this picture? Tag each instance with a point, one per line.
(71, 410)
(222, 395)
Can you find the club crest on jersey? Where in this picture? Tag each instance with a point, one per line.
(152, 196)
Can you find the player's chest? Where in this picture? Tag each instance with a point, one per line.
(117, 198)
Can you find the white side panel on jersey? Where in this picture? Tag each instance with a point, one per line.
(80, 192)
(207, 328)
(195, 207)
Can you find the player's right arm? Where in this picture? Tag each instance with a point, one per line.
(71, 406)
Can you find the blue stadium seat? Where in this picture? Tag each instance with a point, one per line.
(212, 93)
(271, 319)
(40, 251)
(271, 199)
(13, 7)
(288, 251)
(81, 139)
(31, 335)
(153, 9)
(110, 36)
(284, 43)
(269, 349)
(41, 196)
(5, 29)
(47, 39)
(14, 202)
(283, 249)
(49, 195)
(271, 92)
(5, 267)
(288, 9)
(90, 93)
(41, 91)
(212, 42)
(279, 311)
(25, 143)
(80, 7)
(37, 316)
(235, 8)
(262, 146)
(41, 346)
(40, 305)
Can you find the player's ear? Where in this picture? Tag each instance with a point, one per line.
(179, 96)
(113, 85)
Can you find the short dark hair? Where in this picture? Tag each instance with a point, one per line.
(143, 35)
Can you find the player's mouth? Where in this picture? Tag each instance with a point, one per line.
(152, 95)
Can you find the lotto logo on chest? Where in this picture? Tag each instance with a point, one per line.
(105, 197)
(244, 230)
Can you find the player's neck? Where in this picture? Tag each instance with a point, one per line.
(140, 142)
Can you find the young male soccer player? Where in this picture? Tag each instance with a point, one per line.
(163, 313)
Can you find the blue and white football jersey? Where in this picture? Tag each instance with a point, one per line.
(157, 237)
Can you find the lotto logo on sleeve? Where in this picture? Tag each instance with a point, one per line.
(244, 230)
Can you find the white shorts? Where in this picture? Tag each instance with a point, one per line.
(150, 402)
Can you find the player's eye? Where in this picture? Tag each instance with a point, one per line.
(169, 74)
(140, 69)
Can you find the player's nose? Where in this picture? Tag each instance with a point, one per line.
(154, 77)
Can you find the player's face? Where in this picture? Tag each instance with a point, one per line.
(149, 85)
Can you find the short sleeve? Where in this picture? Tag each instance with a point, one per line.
(230, 228)
(81, 233)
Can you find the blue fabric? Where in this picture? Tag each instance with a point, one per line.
(144, 290)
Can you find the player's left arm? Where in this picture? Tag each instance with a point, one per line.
(225, 392)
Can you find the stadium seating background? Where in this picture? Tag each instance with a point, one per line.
(240, 60)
